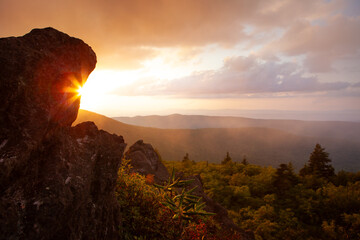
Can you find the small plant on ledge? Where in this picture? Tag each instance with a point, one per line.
(183, 205)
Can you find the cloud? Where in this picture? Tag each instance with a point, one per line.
(133, 22)
(239, 76)
(111, 26)
(322, 44)
(126, 58)
(123, 32)
(357, 85)
(156, 22)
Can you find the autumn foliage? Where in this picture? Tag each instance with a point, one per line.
(152, 212)
(279, 203)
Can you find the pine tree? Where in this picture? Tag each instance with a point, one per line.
(318, 164)
(245, 161)
(186, 158)
(227, 159)
(186, 161)
(284, 178)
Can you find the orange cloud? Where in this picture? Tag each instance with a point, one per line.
(133, 22)
(125, 57)
(123, 32)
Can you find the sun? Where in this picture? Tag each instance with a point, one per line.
(80, 90)
(75, 89)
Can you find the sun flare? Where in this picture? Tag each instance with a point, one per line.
(80, 91)
(101, 84)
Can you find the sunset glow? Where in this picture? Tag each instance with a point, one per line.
(218, 57)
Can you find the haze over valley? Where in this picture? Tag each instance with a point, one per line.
(332, 129)
(263, 142)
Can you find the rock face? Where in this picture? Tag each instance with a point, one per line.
(56, 181)
(145, 161)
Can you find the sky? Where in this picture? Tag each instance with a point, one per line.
(266, 59)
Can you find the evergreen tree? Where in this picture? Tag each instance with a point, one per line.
(245, 161)
(186, 162)
(186, 158)
(227, 159)
(284, 178)
(305, 171)
(318, 164)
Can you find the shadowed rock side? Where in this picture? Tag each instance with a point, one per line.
(56, 181)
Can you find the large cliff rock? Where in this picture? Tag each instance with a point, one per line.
(56, 181)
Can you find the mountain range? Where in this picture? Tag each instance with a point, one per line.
(263, 142)
(324, 129)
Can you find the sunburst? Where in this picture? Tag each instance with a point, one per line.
(75, 88)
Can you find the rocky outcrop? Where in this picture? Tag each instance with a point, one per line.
(56, 181)
(144, 160)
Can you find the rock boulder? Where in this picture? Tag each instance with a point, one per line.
(56, 181)
(145, 160)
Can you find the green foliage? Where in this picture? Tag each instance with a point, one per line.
(284, 179)
(184, 205)
(186, 158)
(280, 204)
(150, 212)
(227, 159)
(319, 164)
(141, 208)
(245, 161)
(186, 161)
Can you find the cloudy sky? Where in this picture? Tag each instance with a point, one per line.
(210, 56)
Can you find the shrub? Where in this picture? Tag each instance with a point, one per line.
(150, 212)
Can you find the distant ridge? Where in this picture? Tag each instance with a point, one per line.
(324, 129)
(262, 145)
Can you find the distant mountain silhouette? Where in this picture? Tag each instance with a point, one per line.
(323, 129)
(259, 140)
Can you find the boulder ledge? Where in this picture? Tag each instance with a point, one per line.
(56, 181)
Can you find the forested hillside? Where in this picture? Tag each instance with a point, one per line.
(262, 146)
(320, 129)
(280, 203)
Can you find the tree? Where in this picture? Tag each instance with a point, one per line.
(318, 164)
(227, 159)
(186, 161)
(186, 158)
(245, 161)
(284, 178)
